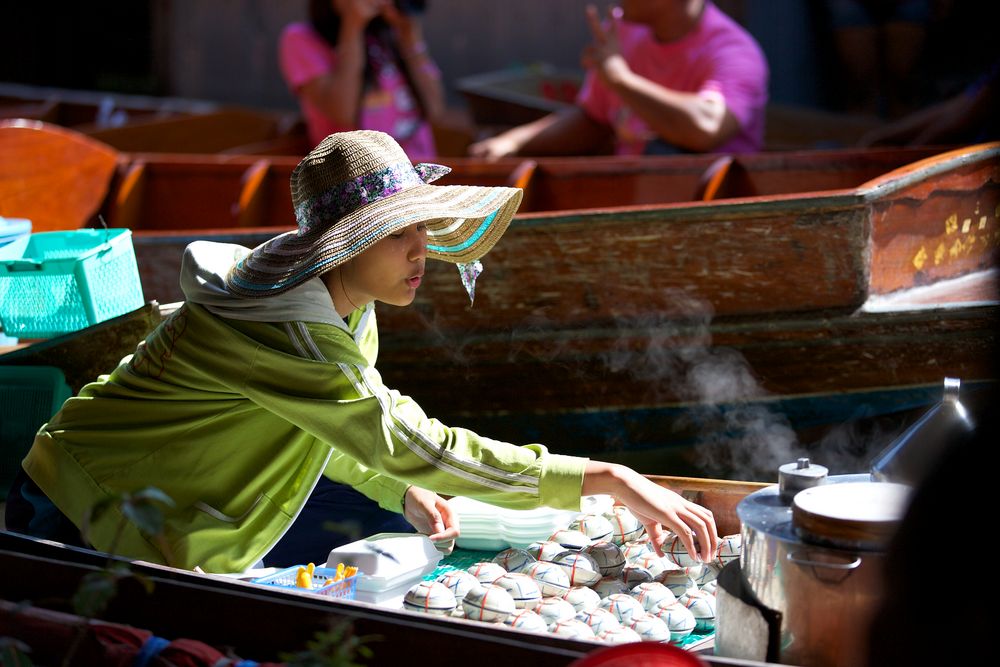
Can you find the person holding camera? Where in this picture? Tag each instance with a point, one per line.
(364, 64)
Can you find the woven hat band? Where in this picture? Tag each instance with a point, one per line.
(347, 196)
(354, 189)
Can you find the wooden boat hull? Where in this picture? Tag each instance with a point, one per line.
(810, 251)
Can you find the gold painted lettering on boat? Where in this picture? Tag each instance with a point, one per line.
(939, 254)
(951, 224)
(955, 249)
(966, 225)
(920, 258)
(982, 222)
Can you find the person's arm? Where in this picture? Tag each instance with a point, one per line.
(389, 493)
(695, 121)
(338, 92)
(424, 510)
(346, 405)
(656, 506)
(423, 71)
(916, 127)
(566, 132)
(955, 120)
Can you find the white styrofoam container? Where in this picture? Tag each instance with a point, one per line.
(390, 563)
(12, 229)
(489, 528)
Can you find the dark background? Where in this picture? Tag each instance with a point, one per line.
(225, 50)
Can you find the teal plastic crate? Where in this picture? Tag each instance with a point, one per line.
(29, 396)
(53, 283)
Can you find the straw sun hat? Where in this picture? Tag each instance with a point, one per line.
(356, 188)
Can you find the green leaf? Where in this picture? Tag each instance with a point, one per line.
(147, 518)
(96, 590)
(153, 494)
(336, 647)
(13, 653)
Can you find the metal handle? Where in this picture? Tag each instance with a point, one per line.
(815, 563)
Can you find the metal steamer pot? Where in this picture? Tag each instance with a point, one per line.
(811, 571)
(821, 574)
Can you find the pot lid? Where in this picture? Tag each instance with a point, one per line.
(860, 515)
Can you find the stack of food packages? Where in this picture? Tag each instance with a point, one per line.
(599, 579)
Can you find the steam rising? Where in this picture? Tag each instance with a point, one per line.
(738, 429)
(739, 432)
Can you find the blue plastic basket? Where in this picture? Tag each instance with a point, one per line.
(29, 396)
(285, 579)
(52, 283)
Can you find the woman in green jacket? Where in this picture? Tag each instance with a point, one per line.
(264, 383)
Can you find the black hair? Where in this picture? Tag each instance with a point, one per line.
(326, 21)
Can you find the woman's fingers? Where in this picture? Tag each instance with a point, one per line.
(450, 528)
(594, 21)
(430, 514)
(691, 522)
(654, 527)
(657, 534)
(713, 534)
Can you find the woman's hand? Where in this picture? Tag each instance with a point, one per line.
(656, 507)
(430, 514)
(358, 13)
(604, 54)
(494, 148)
(407, 27)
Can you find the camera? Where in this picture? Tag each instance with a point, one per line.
(411, 6)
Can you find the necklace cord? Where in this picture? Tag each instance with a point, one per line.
(344, 289)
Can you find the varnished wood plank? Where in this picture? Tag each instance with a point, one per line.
(251, 206)
(128, 196)
(194, 133)
(54, 177)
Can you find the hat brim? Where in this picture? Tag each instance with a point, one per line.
(463, 222)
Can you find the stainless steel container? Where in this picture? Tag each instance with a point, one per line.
(822, 575)
(811, 576)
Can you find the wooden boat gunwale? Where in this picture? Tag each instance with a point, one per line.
(904, 177)
(829, 200)
(49, 571)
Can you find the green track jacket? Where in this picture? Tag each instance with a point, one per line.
(235, 407)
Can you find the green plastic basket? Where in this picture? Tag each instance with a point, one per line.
(29, 396)
(53, 283)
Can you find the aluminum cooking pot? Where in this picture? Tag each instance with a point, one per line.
(822, 573)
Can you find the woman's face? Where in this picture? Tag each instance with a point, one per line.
(390, 271)
(649, 11)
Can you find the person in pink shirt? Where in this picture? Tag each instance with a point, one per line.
(363, 64)
(663, 76)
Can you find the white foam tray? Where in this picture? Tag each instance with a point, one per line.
(489, 528)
